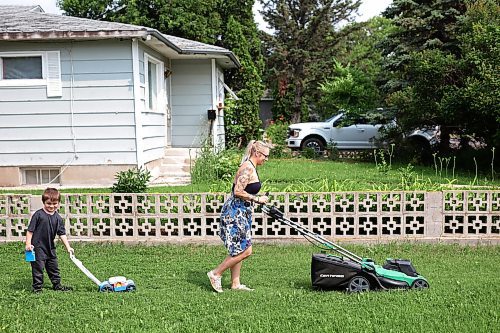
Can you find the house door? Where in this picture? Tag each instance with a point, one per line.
(157, 93)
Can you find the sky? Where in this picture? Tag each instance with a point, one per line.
(368, 8)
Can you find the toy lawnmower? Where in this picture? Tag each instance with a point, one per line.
(350, 272)
(113, 284)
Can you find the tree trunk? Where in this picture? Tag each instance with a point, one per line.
(297, 102)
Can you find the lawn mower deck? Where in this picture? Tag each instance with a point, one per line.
(347, 271)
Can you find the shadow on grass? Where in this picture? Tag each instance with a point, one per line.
(24, 284)
(199, 279)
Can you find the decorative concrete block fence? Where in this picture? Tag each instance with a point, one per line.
(455, 216)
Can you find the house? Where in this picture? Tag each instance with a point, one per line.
(83, 99)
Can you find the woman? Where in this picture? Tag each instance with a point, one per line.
(236, 217)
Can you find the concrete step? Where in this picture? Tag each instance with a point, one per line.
(176, 160)
(162, 180)
(186, 152)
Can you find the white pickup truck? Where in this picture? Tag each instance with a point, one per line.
(361, 135)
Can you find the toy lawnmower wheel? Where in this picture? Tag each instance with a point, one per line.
(131, 287)
(106, 288)
(358, 284)
(420, 284)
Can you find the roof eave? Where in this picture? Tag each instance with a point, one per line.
(167, 42)
(36, 35)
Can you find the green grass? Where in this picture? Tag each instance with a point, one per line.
(174, 294)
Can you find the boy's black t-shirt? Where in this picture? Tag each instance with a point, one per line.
(45, 227)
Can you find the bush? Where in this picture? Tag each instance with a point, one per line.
(134, 180)
(276, 132)
(212, 166)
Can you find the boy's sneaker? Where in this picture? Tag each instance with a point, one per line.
(62, 288)
(37, 291)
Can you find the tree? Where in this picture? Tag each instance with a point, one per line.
(480, 91)
(350, 90)
(421, 62)
(193, 19)
(303, 31)
(358, 63)
(242, 116)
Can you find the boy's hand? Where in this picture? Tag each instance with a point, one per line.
(29, 247)
(71, 250)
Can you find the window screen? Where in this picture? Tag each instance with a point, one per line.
(15, 68)
(41, 176)
(152, 84)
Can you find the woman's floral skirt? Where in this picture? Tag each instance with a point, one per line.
(235, 227)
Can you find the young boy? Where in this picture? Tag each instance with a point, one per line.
(45, 224)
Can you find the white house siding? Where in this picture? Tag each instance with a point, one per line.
(36, 130)
(154, 130)
(191, 98)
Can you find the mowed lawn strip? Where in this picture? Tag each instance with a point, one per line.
(174, 294)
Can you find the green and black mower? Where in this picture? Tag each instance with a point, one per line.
(347, 271)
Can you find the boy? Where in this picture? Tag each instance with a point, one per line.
(45, 224)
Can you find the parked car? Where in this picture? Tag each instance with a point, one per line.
(361, 135)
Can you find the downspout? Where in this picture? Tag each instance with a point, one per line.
(137, 103)
(213, 124)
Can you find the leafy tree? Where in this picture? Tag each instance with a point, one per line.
(193, 19)
(350, 90)
(358, 63)
(450, 75)
(242, 120)
(421, 61)
(303, 31)
(480, 88)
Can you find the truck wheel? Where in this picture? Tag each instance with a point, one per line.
(313, 143)
(420, 284)
(358, 284)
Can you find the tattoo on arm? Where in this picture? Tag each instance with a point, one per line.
(242, 179)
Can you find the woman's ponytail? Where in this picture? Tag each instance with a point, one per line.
(248, 151)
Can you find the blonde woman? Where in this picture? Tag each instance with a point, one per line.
(235, 228)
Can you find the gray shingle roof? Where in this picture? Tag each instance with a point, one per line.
(30, 23)
(24, 19)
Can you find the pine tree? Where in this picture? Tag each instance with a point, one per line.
(304, 30)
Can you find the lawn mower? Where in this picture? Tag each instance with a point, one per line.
(350, 272)
(113, 284)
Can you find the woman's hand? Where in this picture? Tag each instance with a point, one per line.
(262, 199)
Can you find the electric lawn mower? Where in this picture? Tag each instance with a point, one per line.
(350, 272)
(113, 284)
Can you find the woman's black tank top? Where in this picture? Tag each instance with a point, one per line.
(252, 188)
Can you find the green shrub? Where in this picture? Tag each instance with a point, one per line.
(133, 180)
(309, 153)
(276, 132)
(212, 166)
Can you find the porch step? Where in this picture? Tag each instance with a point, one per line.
(175, 167)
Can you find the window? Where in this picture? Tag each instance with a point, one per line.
(40, 176)
(32, 68)
(21, 68)
(154, 83)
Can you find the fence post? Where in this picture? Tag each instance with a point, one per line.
(434, 215)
